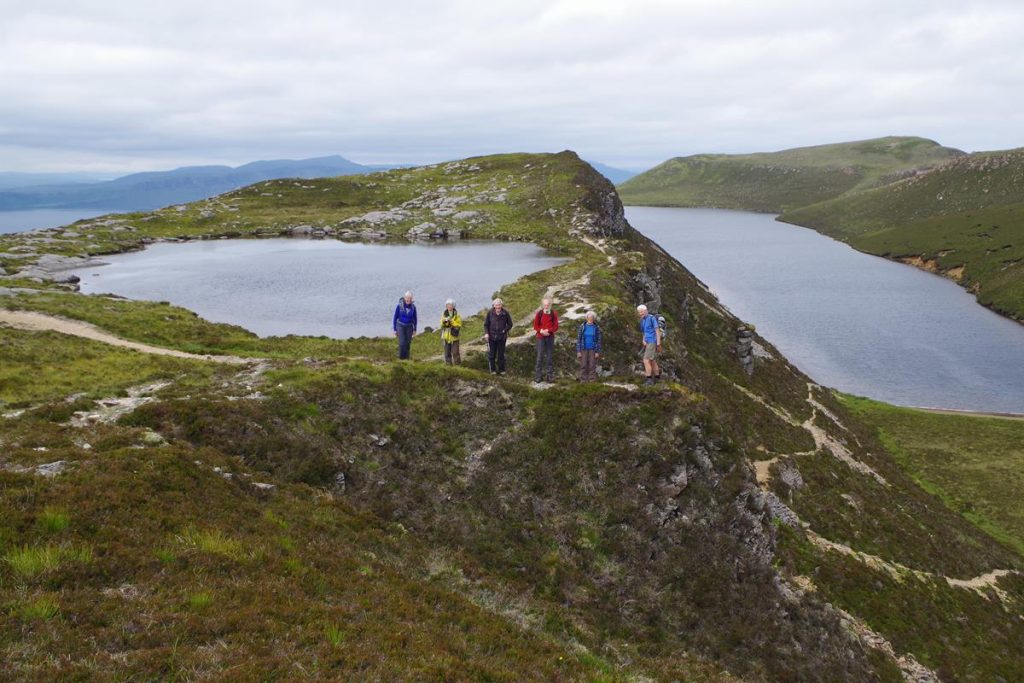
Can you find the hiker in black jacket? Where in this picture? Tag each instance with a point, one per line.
(497, 325)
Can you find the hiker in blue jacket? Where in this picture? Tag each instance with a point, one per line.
(651, 334)
(588, 347)
(404, 324)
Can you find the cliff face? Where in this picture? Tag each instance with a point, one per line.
(723, 523)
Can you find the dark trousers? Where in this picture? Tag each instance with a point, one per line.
(545, 366)
(496, 354)
(451, 353)
(588, 365)
(404, 340)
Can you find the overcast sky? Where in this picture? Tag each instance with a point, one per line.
(125, 86)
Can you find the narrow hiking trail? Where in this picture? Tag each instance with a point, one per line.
(825, 442)
(985, 585)
(41, 322)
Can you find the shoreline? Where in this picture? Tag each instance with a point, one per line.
(967, 413)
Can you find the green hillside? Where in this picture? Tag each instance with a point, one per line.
(964, 219)
(975, 463)
(322, 511)
(775, 181)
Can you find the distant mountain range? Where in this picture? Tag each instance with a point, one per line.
(616, 175)
(152, 190)
(145, 191)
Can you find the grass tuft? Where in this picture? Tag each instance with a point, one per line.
(41, 608)
(335, 635)
(212, 542)
(28, 562)
(53, 520)
(200, 601)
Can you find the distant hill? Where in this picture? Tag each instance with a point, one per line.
(144, 191)
(776, 181)
(964, 219)
(616, 175)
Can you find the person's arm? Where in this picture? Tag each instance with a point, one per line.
(394, 320)
(508, 321)
(456, 320)
(657, 334)
(414, 318)
(597, 339)
(487, 325)
(536, 320)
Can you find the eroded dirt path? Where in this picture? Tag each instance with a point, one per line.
(40, 322)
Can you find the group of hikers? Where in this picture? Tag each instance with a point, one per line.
(498, 323)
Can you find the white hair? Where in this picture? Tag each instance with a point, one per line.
(590, 314)
(407, 294)
(449, 301)
(497, 301)
(641, 308)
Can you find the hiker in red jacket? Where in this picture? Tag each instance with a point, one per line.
(545, 323)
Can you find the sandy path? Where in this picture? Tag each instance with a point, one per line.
(40, 322)
(972, 413)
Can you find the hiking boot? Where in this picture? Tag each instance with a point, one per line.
(648, 381)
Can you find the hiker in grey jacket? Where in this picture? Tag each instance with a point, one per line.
(497, 325)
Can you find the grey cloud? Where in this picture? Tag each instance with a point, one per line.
(130, 86)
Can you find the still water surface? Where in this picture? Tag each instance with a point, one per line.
(31, 219)
(316, 287)
(849, 320)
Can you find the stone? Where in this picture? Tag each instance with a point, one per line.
(789, 475)
(677, 482)
(781, 511)
(745, 349)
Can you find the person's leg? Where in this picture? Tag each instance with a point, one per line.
(501, 355)
(492, 355)
(456, 355)
(539, 364)
(405, 345)
(592, 366)
(447, 352)
(649, 363)
(549, 352)
(585, 361)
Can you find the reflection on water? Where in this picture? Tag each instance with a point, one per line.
(849, 320)
(316, 287)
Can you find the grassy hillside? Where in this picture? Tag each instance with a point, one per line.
(328, 512)
(975, 464)
(964, 219)
(776, 181)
